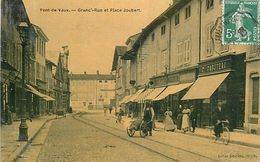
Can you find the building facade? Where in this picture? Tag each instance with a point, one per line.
(174, 63)
(119, 67)
(12, 14)
(62, 82)
(91, 91)
(252, 99)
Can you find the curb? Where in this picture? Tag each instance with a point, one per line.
(20, 150)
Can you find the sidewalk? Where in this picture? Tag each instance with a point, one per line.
(10, 146)
(241, 138)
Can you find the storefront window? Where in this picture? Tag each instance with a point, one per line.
(255, 95)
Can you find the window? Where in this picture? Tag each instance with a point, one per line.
(209, 4)
(187, 50)
(255, 95)
(209, 43)
(105, 81)
(187, 12)
(177, 19)
(152, 37)
(100, 81)
(163, 30)
(38, 70)
(179, 53)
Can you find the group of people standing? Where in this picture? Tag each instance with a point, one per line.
(186, 119)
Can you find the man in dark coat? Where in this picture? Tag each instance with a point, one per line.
(193, 118)
(218, 116)
(148, 116)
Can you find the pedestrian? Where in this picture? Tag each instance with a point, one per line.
(193, 118)
(179, 117)
(105, 110)
(8, 119)
(169, 124)
(185, 119)
(148, 116)
(218, 116)
(119, 115)
(110, 109)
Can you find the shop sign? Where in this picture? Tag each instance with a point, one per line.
(215, 67)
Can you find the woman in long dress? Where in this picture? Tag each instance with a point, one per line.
(169, 124)
(185, 119)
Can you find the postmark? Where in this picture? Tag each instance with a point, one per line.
(241, 22)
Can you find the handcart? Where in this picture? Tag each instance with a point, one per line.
(138, 125)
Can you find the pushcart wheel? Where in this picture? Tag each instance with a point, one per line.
(130, 132)
(225, 135)
(143, 130)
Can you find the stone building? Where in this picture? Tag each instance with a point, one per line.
(179, 58)
(119, 67)
(91, 91)
(13, 13)
(62, 82)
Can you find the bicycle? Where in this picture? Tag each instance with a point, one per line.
(224, 135)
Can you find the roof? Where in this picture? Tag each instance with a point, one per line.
(133, 38)
(50, 62)
(40, 31)
(119, 51)
(92, 77)
(150, 27)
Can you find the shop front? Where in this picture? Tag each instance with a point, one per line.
(219, 80)
(174, 85)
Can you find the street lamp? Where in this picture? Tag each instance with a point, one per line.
(23, 128)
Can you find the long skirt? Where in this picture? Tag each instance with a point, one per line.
(185, 121)
(169, 124)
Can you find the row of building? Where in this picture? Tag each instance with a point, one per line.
(179, 58)
(28, 79)
(92, 91)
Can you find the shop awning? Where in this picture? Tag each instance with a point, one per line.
(48, 98)
(143, 95)
(34, 91)
(124, 100)
(204, 87)
(172, 90)
(154, 93)
(134, 96)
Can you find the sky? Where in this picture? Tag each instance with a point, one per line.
(90, 35)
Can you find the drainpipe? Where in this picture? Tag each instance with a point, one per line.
(170, 41)
(200, 1)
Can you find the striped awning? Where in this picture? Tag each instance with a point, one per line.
(154, 93)
(172, 89)
(134, 96)
(144, 94)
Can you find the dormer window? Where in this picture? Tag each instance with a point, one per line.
(152, 37)
(163, 30)
(187, 12)
(209, 4)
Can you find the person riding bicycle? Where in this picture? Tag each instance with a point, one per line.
(218, 117)
(148, 115)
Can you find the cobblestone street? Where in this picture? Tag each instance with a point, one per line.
(95, 137)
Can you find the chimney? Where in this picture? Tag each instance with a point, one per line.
(97, 72)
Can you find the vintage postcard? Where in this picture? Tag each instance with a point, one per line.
(130, 80)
